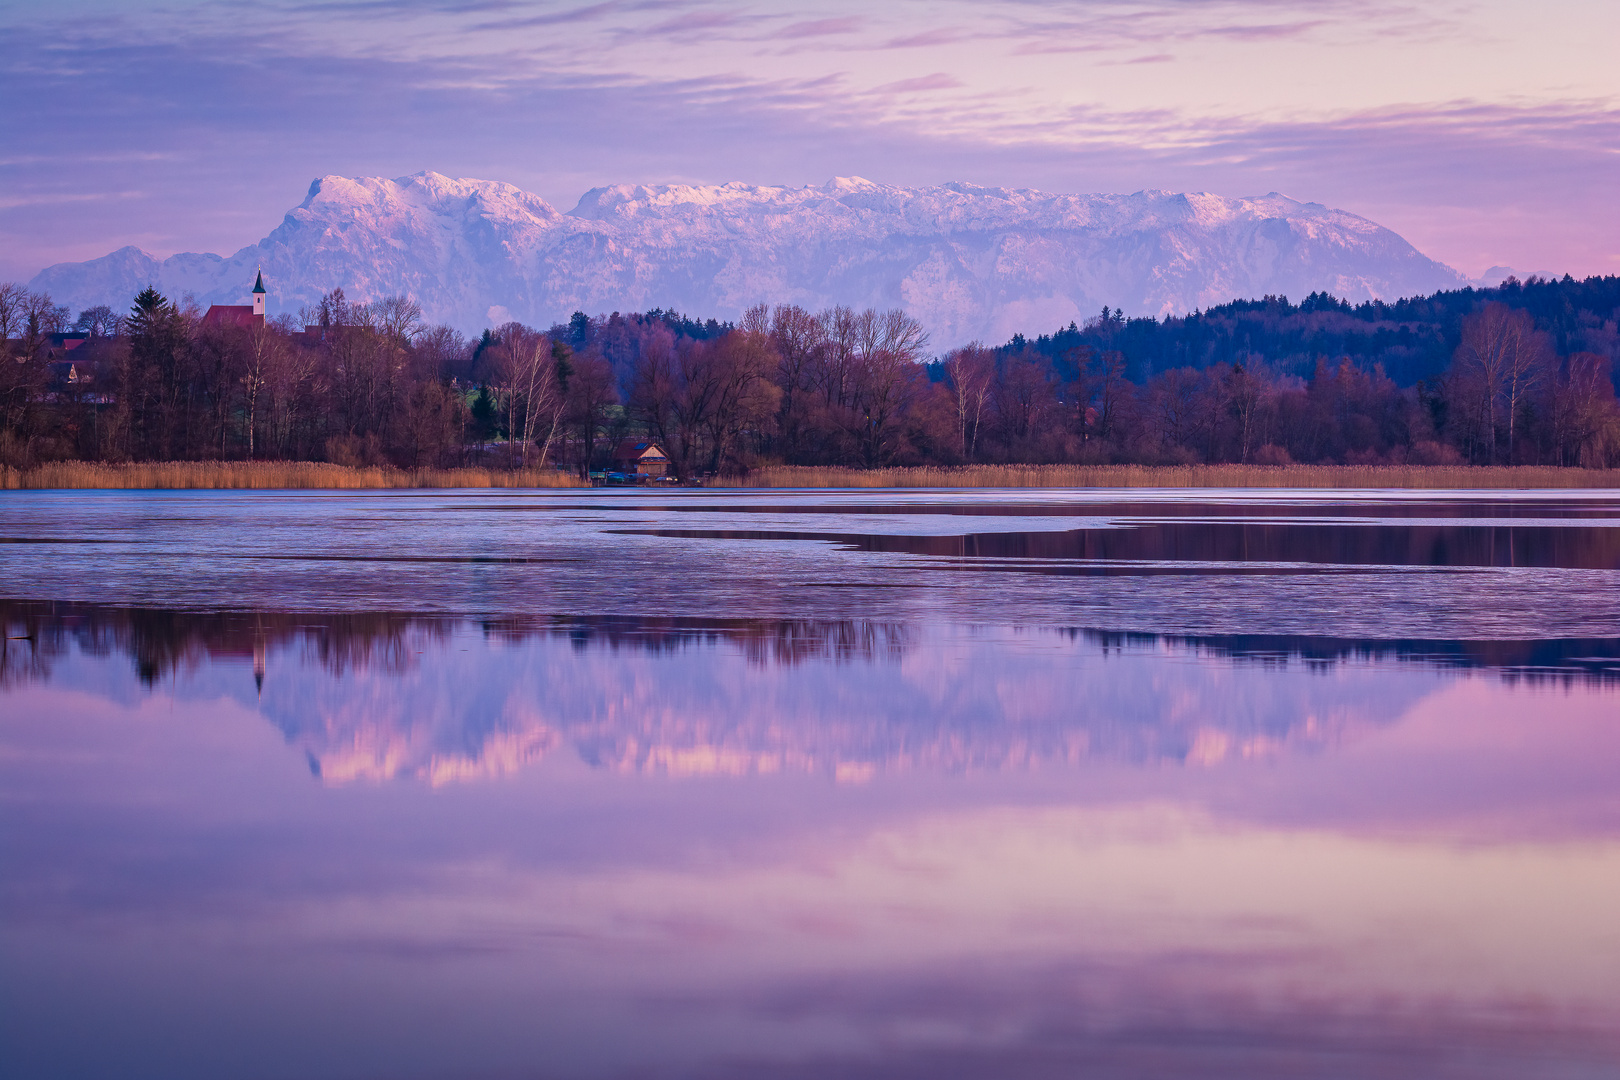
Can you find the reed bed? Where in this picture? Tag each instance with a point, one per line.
(1182, 476)
(312, 475)
(271, 475)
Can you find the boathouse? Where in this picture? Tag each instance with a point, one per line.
(643, 458)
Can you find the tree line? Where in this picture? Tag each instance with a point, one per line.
(1527, 377)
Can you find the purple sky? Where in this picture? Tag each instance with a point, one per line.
(1484, 132)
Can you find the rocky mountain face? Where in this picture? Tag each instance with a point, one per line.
(969, 262)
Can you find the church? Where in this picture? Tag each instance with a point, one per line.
(239, 315)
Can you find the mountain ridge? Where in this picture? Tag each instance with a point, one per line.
(970, 261)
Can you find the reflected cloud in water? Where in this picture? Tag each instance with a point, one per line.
(379, 696)
(1052, 852)
(827, 802)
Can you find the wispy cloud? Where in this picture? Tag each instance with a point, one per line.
(690, 23)
(584, 13)
(1040, 48)
(939, 80)
(218, 130)
(847, 24)
(944, 35)
(1270, 32)
(65, 198)
(1064, 27)
(368, 7)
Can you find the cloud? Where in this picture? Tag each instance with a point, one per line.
(1272, 32)
(821, 27)
(945, 35)
(463, 7)
(1064, 28)
(60, 198)
(584, 13)
(688, 24)
(218, 136)
(1038, 48)
(939, 80)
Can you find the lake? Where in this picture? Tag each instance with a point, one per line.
(810, 783)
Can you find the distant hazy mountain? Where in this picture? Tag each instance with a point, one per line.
(1494, 277)
(970, 262)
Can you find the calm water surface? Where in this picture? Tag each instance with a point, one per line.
(697, 784)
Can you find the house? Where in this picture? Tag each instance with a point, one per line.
(67, 373)
(644, 458)
(65, 370)
(55, 346)
(242, 316)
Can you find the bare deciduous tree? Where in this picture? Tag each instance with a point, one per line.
(743, 395)
(530, 388)
(971, 370)
(98, 321)
(1582, 412)
(1498, 363)
(13, 304)
(883, 374)
(262, 354)
(799, 339)
(589, 397)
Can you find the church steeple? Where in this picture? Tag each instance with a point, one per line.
(258, 295)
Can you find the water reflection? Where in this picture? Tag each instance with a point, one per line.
(160, 642)
(1074, 854)
(381, 696)
(1247, 547)
(440, 785)
(1596, 506)
(1432, 566)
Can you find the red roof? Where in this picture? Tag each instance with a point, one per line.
(634, 450)
(239, 315)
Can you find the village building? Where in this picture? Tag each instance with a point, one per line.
(64, 370)
(242, 316)
(641, 458)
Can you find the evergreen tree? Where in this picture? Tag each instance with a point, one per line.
(152, 377)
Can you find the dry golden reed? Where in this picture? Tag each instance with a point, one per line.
(1183, 476)
(271, 475)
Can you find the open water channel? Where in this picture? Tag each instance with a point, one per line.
(808, 784)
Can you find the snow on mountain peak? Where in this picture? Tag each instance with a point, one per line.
(625, 200)
(969, 261)
(842, 185)
(424, 192)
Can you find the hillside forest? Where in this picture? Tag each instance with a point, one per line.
(1519, 374)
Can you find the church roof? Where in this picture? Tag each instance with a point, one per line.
(258, 286)
(232, 315)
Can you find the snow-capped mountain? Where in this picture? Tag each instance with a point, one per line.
(970, 262)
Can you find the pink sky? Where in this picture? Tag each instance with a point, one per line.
(1483, 132)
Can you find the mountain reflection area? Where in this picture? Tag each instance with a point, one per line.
(335, 845)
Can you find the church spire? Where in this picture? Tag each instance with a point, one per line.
(258, 294)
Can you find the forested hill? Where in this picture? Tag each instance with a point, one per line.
(1520, 374)
(1413, 339)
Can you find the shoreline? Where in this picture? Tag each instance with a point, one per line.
(266, 476)
(1409, 477)
(306, 476)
